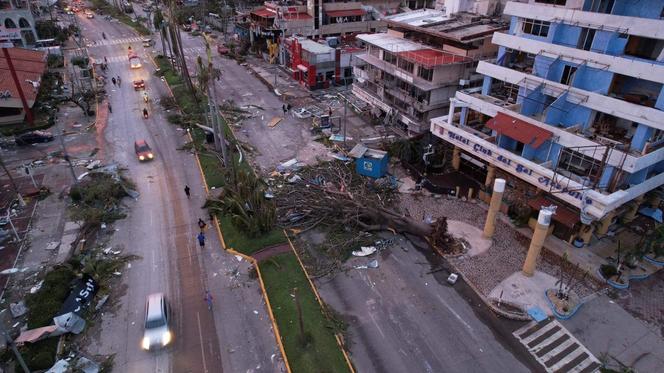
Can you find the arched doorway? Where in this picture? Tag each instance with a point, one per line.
(9, 23)
(23, 23)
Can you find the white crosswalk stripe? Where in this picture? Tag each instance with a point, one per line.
(104, 42)
(555, 348)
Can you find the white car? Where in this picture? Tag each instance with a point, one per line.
(157, 332)
(135, 62)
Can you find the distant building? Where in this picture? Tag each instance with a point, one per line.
(409, 74)
(29, 66)
(16, 19)
(317, 65)
(311, 18)
(571, 112)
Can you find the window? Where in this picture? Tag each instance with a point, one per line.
(568, 74)
(586, 38)
(535, 27)
(389, 57)
(406, 65)
(552, 2)
(424, 73)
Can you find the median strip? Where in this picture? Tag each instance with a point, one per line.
(305, 334)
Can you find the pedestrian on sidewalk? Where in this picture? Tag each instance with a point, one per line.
(110, 108)
(208, 298)
(113, 80)
(283, 107)
(119, 81)
(105, 59)
(201, 239)
(187, 191)
(201, 225)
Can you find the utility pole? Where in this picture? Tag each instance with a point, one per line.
(13, 183)
(66, 156)
(24, 102)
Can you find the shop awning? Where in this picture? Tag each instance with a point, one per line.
(519, 130)
(563, 215)
(345, 13)
(302, 68)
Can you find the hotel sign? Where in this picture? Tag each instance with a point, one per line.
(565, 189)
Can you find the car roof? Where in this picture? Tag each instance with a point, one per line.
(154, 306)
(140, 142)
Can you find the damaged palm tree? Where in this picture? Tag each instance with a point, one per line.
(332, 194)
(245, 202)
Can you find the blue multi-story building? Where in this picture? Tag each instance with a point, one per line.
(571, 110)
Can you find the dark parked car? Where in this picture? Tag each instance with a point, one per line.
(34, 137)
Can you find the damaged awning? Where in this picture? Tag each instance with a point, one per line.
(519, 130)
(563, 215)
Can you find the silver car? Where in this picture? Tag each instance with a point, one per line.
(157, 332)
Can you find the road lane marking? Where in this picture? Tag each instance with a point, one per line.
(200, 335)
(454, 313)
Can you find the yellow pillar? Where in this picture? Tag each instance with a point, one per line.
(539, 235)
(629, 216)
(586, 233)
(605, 222)
(456, 158)
(470, 193)
(494, 208)
(490, 175)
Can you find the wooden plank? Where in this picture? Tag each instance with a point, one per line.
(274, 121)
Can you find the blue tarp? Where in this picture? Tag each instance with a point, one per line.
(653, 213)
(537, 314)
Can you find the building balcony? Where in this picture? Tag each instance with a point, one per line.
(630, 25)
(374, 95)
(625, 65)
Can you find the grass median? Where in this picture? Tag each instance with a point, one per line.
(314, 349)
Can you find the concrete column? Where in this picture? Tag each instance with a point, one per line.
(586, 233)
(490, 175)
(494, 208)
(543, 222)
(456, 158)
(470, 193)
(605, 222)
(464, 116)
(629, 216)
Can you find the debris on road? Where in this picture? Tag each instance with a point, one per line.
(365, 251)
(452, 279)
(36, 288)
(101, 302)
(52, 246)
(18, 309)
(371, 264)
(274, 121)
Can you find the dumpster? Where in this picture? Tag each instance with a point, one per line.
(370, 162)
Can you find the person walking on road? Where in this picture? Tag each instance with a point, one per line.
(110, 108)
(187, 191)
(208, 299)
(113, 80)
(201, 225)
(119, 81)
(201, 239)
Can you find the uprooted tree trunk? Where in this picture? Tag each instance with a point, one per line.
(332, 194)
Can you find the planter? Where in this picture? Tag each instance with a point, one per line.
(578, 243)
(656, 261)
(618, 285)
(561, 314)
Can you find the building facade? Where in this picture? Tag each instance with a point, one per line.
(18, 23)
(317, 65)
(409, 74)
(572, 108)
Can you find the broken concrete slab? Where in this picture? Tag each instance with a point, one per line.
(18, 309)
(66, 249)
(71, 226)
(52, 246)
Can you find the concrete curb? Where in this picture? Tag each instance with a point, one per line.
(320, 302)
(487, 302)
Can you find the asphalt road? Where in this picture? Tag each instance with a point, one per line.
(403, 316)
(161, 228)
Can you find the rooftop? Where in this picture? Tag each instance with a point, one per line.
(29, 66)
(314, 47)
(421, 17)
(390, 43)
(431, 57)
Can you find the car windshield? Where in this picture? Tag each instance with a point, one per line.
(143, 148)
(154, 323)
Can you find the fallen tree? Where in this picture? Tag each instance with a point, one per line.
(332, 194)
